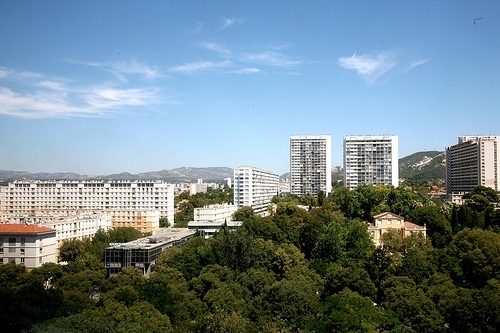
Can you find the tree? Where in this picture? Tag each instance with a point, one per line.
(412, 307)
(438, 228)
(124, 235)
(244, 213)
(477, 252)
(164, 222)
(348, 312)
(355, 278)
(70, 250)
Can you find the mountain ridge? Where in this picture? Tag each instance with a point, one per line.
(424, 165)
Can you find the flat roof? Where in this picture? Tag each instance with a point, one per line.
(159, 238)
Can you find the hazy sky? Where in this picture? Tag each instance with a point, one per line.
(100, 87)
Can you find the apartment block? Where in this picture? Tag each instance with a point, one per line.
(39, 197)
(371, 159)
(310, 164)
(27, 244)
(474, 161)
(255, 188)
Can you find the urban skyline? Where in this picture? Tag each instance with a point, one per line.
(102, 88)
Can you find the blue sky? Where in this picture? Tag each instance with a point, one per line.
(101, 87)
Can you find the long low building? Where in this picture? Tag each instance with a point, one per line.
(208, 228)
(22, 197)
(143, 252)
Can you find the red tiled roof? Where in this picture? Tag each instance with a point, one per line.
(412, 225)
(21, 228)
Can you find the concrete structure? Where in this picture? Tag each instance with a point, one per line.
(215, 213)
(310, 164)
(68, 228)
(255, 188)
(143, 252)
(385, 221)
(27, 244)
(208, 228)
(474, 161)
(41, 197)
(144, 221)
(371, 159)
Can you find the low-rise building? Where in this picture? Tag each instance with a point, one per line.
(208, 228)
(27, 244)
(143, 252)
(385, 221)
(216, 213)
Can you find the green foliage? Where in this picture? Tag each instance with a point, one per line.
(70, 250)
(124, 235)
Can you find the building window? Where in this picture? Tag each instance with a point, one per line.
(12, 249)
(23, 241)
(22, 251)
(12, 241)
(22, 261)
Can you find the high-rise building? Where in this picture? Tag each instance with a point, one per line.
(255, 188)
(310, 164)
(371, 159)
(474, 161)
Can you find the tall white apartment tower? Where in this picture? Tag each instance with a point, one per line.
(472, 162)
(310, 164)
(255, 188)
(371, 159)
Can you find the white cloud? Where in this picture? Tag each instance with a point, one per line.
(416, 63)
(40, 96)
(270, 58)
(221, 49)
(120, 69)
(4, 71)
(201, 66)
(198, 28)
(247, 71)
(229, 22)
(370, 67)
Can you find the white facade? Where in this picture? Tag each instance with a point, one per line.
(29, 196)
(310, 164)
(371, 159)
(474, 161)
(208, 228)
(255, 188)
(28, 245)
(215, 213)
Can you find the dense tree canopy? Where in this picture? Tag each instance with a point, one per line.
(313, 269)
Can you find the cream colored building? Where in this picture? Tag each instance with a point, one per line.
(215, 213)
(385, 221)
(27, 244)
(144, 221)
(42, 197)
(474, 161)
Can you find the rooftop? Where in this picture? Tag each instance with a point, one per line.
(25, 229)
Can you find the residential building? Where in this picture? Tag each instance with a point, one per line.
(27, 244)
(385, 221)
(208, 228)
(371, 159)
(143, 252)
(310, 164)
(69, 227)
(42, 197)
(144, 221)
(255, 188)
(474, 161)
(215, 213)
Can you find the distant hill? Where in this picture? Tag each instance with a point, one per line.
(184, 174)
(424, 165)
